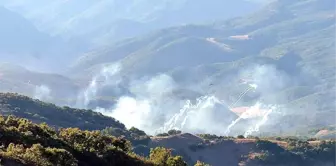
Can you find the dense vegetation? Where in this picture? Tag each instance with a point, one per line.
(38, 112)
(26, 143)
(298, 152)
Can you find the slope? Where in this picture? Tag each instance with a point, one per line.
(41, 85)
(87, 20)
(287, 48)
(217, 151)
(38, 112)
(26, 143)
(23, 44)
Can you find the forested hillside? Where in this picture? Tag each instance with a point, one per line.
(38, 111)
(26, 143)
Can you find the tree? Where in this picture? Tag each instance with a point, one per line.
(174, 132)
(240, 137)
(176, 161)
(199, 163)
(163, 157)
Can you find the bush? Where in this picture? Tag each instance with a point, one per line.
(240, 137)
(163, 135)
(31, 144)
(163, 157)
(199, 163)
(174, 132)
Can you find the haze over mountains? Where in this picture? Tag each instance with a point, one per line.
(105, 20)
(121, 54)
(261, 71)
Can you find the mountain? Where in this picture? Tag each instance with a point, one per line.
(44, 86)
(286, 48)
(55, 116)
(23, 44)
(106, 20)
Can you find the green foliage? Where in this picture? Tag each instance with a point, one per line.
(134, 135)
(176, 161)
(199, 163)
(298, 152)
(162, 135)
(174, 132)
(38, 155)
(240, 137)
(215, 137)
(28, 143)
(163, 157)
(38, 112)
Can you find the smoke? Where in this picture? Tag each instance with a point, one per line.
(259, 123)
(200, 117)
(152, 104)
(265, 81)
(107, 76)
(149, 104)
(42, 92)
(267, 78)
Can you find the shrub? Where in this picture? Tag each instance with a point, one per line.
(240, 137)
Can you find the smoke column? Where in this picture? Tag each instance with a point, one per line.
(246, 113)
(259, 124)
(250, 113)
(104, 77)
(148, 104)
(152, 105)
(42, 92)
(190, 111)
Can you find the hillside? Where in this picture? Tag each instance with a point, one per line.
(24, 143)
(218, 151)
(286, 49)
(79, 20)
(40, 85)
(265, 35)
(23, 44)
(38, 112)
(27, 143)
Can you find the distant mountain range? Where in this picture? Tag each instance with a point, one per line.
(294, 39)
(102, 21)
(23, 44)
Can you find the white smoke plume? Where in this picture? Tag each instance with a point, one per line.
(267, 78)
(107, 76)
(147, 104)
(198, 117)
(259, 123)
(42, 92)
(153, 106)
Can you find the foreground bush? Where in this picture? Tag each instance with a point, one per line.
(25, 143)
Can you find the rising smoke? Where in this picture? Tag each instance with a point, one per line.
(42, 92)
(108, 76)
(152, 106)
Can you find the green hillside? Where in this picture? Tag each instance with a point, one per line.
(38, 112)
(25, 143)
